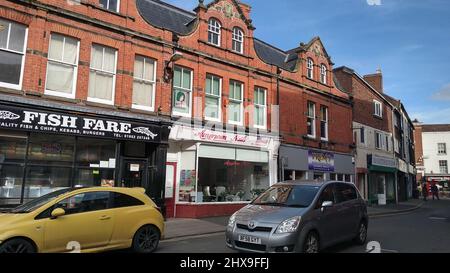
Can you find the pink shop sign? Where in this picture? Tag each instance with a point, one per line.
(227, 138)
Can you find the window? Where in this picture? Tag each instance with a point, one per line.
(378, 108)
(442, 148)
(443, 166)
(144, 83)
(102, 76)
(310, 68)
(212, 100)
(327, 195)
(260, 107)
(182, 90)
(235, 106)
(323, 74)
(62, 66)
(387, 142)
(122, 200)
(324, 123)
(378, 140)
(12, 53)
(214, 30)
(238, 40)
(362, 135)
(112, 5)
(345, 193)
(311, 120)
(85, 202)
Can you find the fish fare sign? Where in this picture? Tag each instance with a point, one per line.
(51, 122)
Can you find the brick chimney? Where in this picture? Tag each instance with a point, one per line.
(375, 80)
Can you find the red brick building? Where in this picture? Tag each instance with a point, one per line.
(147, 65)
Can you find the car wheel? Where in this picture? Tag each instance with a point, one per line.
(17, 246)
(311, 244)
(361, 237)
(146, 239)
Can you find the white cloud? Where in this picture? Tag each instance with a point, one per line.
(442, 94)
(374, 2)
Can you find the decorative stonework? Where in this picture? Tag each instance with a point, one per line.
(316, 48)
(227, 9)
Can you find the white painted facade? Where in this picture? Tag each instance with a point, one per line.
(431, 155)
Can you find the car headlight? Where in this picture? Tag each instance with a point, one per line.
(289, 225)
(232, 221)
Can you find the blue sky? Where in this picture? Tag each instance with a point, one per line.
(408, 39)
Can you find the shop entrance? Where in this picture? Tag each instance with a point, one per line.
(134, 173)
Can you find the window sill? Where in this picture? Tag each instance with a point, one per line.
(60, 98)
(377, 117)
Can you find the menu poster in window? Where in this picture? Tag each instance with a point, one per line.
(187, 178)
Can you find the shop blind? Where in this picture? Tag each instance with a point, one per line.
(206, 151)
(252, 156)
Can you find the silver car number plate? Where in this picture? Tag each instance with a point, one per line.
(249, 239)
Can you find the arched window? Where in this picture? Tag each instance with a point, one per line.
(323, 74)
(214, 30)
(238, 40)
(310, 68)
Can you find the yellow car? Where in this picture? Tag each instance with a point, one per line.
(83, 220)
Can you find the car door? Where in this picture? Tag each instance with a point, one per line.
(347, 210)
(327, 218)
(88, 222)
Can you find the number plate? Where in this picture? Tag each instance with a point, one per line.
(249, 239)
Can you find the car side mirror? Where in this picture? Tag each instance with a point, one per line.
(326, 204)
(58, 213)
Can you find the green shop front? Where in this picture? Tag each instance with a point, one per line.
(382, 173)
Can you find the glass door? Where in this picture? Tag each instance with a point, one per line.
(134, 173)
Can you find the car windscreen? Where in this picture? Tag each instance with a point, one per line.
(300, 196)
(39, 202)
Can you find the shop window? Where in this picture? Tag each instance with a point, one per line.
(12, 149)
(311, 120)
(333, 177)
(12, 53)
(182, 91)
(319, 176)
(347, 178)
(62, 66)
(214, 31)
(144, 83)
(340, 177)
(102, 76)
(235, 106)
(213, 98)
(11, 179)
(112, 5)
(41, 180)
(51, 150)
(238, 40)
(260, 101)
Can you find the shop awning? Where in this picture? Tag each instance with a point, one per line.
(216, 152)
(383, 169)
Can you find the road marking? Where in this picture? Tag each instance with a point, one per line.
(389, 251)
(437, 218)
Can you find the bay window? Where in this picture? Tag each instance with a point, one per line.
(13, 38)
(182, 91)
(260, 103)
(102, 76)
(144, 83)
(235, 107)
(62, 66)
(213, 96)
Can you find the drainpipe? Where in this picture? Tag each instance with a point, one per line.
(280, 158)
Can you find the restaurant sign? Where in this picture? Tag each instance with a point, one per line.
(73, 124)
(321, 161)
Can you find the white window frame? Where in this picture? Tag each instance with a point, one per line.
(141, 107)
(326, 122)
(219, 97)
(379, 139)
(118, 6)
(442, 150)
(215, 27)
(310, 69)
(75, 74)
(241, 101)
(25, 42)
(323, 74)
(264, 107)
(238, 38)
(313, 117)
(362, 135)
(114, 74)
(441, 166)
(377, 104)
(174, 112)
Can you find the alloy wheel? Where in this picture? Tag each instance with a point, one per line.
(312, 244)
(16, 246)
(148, 239)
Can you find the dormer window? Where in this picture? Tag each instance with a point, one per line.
(310, 68)
(238, 40)
(323, 74)
(214, 30)
(112, 5)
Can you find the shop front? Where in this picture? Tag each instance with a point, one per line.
(213, 173)
(300, 163)
(381, 180)
(43, 150)
(403, 180)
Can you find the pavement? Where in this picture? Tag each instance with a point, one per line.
(183, 228)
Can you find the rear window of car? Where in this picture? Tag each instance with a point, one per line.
(121, 200)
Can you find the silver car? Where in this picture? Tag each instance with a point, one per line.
(299, 216)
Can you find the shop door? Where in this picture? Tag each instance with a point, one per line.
(134, 173)
(171, 175)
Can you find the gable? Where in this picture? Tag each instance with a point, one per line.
(316, 46)
(230, 9)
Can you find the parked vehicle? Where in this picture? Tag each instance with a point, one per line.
(85, 220)
(299, 216)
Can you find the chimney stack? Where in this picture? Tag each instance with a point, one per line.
(375, 80)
